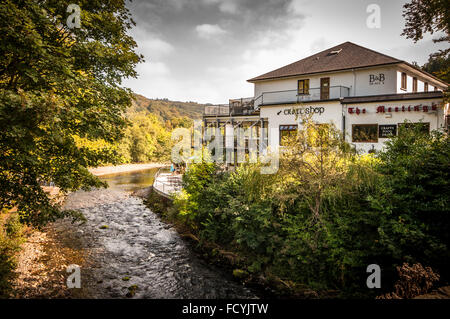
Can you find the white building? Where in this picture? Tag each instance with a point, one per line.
(366, 94)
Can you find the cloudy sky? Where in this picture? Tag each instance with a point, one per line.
(205, 50)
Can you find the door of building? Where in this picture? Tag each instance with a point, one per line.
(324, 88)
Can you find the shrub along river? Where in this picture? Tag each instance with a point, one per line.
(135, 254)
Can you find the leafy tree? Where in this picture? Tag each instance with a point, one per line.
(11, 238)
(59, 85)
(316, 159)
(167, 110)
(146, 139)
(439, 67)
(427, 16)
(180, 122)
(431, 16)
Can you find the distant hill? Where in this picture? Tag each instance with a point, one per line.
(167, 110)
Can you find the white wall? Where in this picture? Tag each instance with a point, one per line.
(332, 114)
(364, 87)
(358, 82)
(409, 76)
(436, 119)
(421, 80)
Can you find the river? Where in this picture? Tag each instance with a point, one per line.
(135, 254)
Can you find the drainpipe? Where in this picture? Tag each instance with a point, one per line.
(261, 137)
(354, 82)
(344, 108)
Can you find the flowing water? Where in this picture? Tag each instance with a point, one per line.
(135, 251)
(130, 181)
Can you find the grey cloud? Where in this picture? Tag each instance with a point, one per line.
(176, 20)
(206, 32)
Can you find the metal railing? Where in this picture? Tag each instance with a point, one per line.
(220, 109)
(292, 96)
(167, 188)
(172, 185)
(247, 106)
(242, 106)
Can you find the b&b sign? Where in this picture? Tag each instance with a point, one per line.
(376, 79)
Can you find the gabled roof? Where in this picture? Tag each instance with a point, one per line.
(341, 57)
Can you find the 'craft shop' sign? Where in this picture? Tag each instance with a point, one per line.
(302, 110)
(376, 79)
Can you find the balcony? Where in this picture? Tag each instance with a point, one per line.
(292, 96)
(248, 106)
(243, 106)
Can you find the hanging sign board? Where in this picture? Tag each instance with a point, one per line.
(385, 131)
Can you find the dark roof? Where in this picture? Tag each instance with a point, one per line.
(393, 97)
(350, 56)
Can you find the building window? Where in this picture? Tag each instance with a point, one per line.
(303, 87)
(423, 127)
(425, 87)
(365, 133)
(286, 132)
(414, 84)
(404, 78)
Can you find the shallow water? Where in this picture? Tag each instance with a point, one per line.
(130, 181)
(137, 248)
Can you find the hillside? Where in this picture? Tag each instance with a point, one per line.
(167, 110)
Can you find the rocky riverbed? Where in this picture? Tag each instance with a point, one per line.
(139, 256)
(124, 251)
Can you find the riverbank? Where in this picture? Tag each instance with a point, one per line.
(43, 260)
(124, 168)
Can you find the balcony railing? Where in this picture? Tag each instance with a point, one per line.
(220, 109)
(244, 106)
(247, 106)
(292, 96)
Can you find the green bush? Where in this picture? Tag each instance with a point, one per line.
(329, 212)
(414, 200)
(10, 240)
(191, 202)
